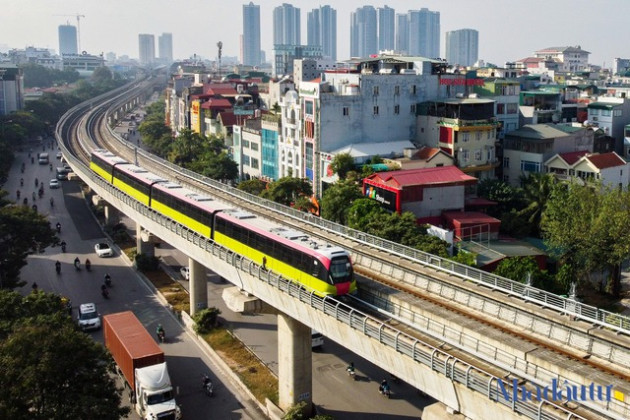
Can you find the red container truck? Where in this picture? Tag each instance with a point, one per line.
(142, 365)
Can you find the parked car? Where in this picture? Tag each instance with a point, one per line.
(89, 318)
(103, 249)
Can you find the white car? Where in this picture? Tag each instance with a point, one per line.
(185, 272)
(89, 318)
(53, 184)
(103, 250)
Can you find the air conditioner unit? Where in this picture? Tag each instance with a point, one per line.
(594, 118)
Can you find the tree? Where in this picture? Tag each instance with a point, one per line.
(362, 212)
(221, 167)
(252, 186)
(536, 191)
(287, 190)
(102, 76)
(337, 200)
(521, 268)
(341, 164)
(50, 370)
(506, 196)
(24, 232)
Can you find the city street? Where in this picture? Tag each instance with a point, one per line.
(186, 360)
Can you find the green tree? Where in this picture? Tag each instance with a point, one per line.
(341, 164)
(521, 268)
(24, 232)
(287, 190)
(38, 380)
(252, 186)
(186, 148)
(362, 212)
(102, 76)
(221, 167)
(337, 200)
(536, 192)
(506, 196)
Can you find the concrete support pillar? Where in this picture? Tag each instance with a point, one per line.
(112, 215)
(198, 286)
(144, 245)
(439, 411)
(295, 363)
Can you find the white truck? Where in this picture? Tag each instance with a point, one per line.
(141, 363)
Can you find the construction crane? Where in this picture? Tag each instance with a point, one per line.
(78, 16)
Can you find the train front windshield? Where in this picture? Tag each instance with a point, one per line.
(340, 270)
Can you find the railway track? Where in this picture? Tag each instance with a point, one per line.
(121, 149)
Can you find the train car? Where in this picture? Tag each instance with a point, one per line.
(102, 163)
(135, 182)
(193, 210)
(319, 266)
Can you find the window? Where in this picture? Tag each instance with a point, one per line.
(412, 109)
(346, 111)
(506, 162)
(500, 109)
(465, 137)
(529, 166)
(255, 146)
(617, 113)
(245, 160)
(512, 108)
(396, 109)
(376, 110)
(375, 90)
(254, 164)
(308, 107)
(413, 89)
(245, 144)
(396, 90)
(463, 155)
(606, 112)
(478, 135)
(478, 154)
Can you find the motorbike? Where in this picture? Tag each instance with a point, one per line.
(104, 292)
(161, 335)
(21, 182)
(18, 194)
(77, 264)
(58, 267)
(58, 226)
(384, 389)
(350, 370)
(108, 280)
(88, 265)
(52, 202)
(206, 384)
(63, 246)
(50, 167)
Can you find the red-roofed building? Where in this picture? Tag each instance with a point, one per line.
(424, 157)
(425, 192)
(608, 168)
(470, 225)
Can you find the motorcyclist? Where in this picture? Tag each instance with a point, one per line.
(63, 246)
(108, 280)
(104, 291)
(21, 182)
(160, 332)
(36, 182)
(58, 267)
(77, 263)
(34, 196)
(350, 369)
(383, 388)
(50, 167)
(58, 226)
(18, 194)
(88, 264)
(52, 202)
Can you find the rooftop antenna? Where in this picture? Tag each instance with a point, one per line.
(220, 46)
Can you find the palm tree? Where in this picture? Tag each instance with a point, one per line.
(536, 191)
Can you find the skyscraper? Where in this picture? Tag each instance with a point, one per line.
(363, 32)
(462, 47)
(286, 25)
(147, 48)
(165, 47)
(386, 28)
(68, 39)
(402, 33)
(424, 33)
(321, 28)
(251, 35)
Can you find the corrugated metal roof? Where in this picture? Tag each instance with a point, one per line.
(423, 176)
(573, 157)
(383, 149)
(537, 131)
(602, 105)
(606, 160)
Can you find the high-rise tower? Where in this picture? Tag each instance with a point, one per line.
(165, 47)
(363, 39)
(322, 30)
(68, 39)
(286, 25)
(386, 28)
(147, 48)
(462, 47)
(424, 33)
(402, 33)
(251, 35)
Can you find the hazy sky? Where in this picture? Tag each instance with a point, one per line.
(508, 29)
